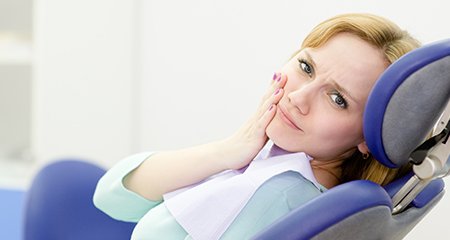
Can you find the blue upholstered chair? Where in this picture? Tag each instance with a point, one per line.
(404, 106)
(59, 205)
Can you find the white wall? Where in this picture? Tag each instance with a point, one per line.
(83, 79)
(205, 64)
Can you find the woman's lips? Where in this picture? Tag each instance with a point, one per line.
(287, 119)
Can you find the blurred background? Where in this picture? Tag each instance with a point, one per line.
(99, 80)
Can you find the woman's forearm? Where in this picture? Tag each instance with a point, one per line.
(167, 171)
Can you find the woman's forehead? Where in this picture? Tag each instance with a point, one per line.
(349, 61)
(351, 49)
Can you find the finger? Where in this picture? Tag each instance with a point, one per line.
(279, 81)
(272, 96)
(276, 79)
(264, 121)
(283, 80)
(278, 95)
(273, 99)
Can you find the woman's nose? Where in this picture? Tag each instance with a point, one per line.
(302, 97)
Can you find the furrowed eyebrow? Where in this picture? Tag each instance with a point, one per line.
(333, 82)
(343, 90)
(310, 59)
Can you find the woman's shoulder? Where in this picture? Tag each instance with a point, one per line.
(290, 181)
(273, 199)
(292, 187)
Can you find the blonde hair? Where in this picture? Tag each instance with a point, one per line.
(393, 42)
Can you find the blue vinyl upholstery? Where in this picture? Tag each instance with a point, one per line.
(59, 205)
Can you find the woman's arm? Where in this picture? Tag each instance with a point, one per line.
(167, 171)
(114, 199)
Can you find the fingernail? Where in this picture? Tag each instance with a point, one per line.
(274, 76)
(277, 91)
(279, 78)
(271, 107)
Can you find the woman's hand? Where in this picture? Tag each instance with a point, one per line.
(166, 171)
(245, 144)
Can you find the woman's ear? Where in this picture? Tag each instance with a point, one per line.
(362, 147)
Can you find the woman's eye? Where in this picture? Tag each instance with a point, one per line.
(306, 67)
(338, 99)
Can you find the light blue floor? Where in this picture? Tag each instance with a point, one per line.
(11, 214)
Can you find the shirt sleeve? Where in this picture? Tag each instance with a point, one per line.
(114, 199)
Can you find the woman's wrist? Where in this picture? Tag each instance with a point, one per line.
(233, 154)
(222, 152)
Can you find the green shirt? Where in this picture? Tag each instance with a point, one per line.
(276, 197)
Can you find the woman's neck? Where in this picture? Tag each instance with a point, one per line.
(327, 173)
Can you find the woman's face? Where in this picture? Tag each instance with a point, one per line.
(322, 107)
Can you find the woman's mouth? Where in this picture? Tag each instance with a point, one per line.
(287, 119)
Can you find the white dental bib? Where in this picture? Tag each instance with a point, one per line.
(207, 209)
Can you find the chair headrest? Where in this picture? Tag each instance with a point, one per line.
(406, 101)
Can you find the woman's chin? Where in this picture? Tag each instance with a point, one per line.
(280, 139)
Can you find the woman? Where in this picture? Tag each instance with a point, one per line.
(314, 105)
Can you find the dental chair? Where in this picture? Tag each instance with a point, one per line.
(410, 100)
(58, 205)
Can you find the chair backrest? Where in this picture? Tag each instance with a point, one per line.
(402, 109)
(59, 205)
